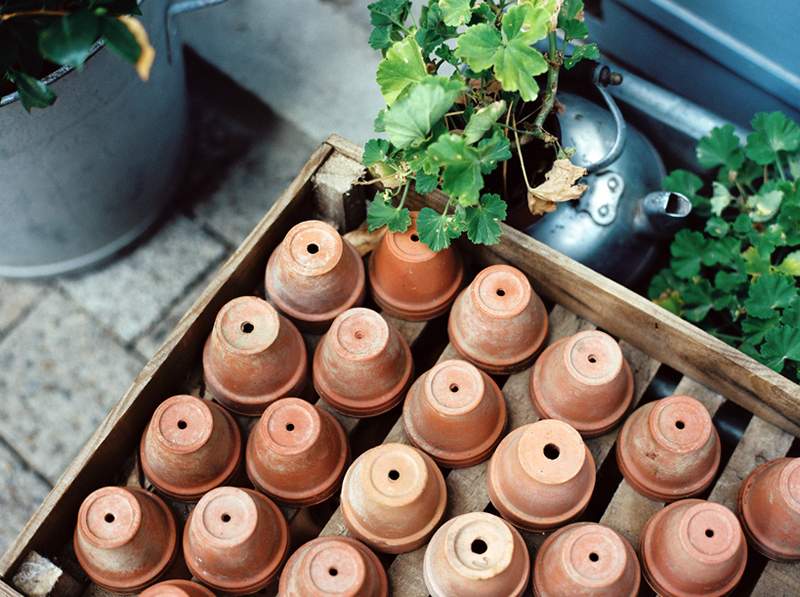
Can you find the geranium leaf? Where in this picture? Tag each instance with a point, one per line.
(483, 220)
(388, 12)
(729, 281)
(791, 264)
(381, 37)
(425, 183)
(781, 343)
(376, 150)
(717, 227)
(584, 52)
(720, 199)
(437, 230)
(770, 292)
(462, 179)
(687, 250)
(478, 45)
(772, 132)
(720, 148)
(482, 120)
(764, 205)
(32, 92)
(455, 12)
(381, 212)
(120, 39)
(492, 150)
(402, 66)
(69, 39)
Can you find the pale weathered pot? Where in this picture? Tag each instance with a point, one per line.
(177, 588)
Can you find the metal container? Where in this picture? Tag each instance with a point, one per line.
(85, 177)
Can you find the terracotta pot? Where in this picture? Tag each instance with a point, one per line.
(498, 322)
(177, 588)
(297, 453)
(669, 449)
(125, 538)
(340, 566)
(393, 497)
(253, 356)
(409, 281)
(693, 547)
(769, 508)
(541, 475)
(476, 555)
(235, 540)
(455, 413)
(588, 559)
(190, 447)
(314, 275)
(362, 366)
(585, 369)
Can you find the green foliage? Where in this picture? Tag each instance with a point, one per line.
(740, 277)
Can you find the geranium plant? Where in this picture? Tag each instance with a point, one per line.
(38, 36)
(738, 276)
(462, 95)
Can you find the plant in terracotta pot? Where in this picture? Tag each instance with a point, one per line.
(462, 97)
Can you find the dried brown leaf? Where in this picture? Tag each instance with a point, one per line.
(148, 53)
(559, 185)
(363, 240)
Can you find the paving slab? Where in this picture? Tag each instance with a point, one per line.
(16, 297)
(130, 295)
(61, 373)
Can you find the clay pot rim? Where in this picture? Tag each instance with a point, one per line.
(180, 583)
(196, 492)
(143, 579)
(272, 313)
(660, 405)
(312, 224)
(587, 429)
(315, 495)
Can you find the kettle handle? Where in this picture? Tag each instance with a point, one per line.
(602, 77)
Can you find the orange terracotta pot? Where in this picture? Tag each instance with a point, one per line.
(190, 447)
(769, 508)
(585, 369)
(253, 356)
(476, 555)
(314, 275)
(125, 538)
(235, 540)
(693, 547)
(588, 559)
(328, 566)
(297, 453)
(409, 281)
(177, 588)
(669, 449)
(498, 322)
(362, 366)
(455, 413)
(393, 497)
(541, 475)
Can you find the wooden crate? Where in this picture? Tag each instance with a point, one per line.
(666, 354)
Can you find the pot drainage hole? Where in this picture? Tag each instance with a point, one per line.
(247, 327)
(594, 557)
(312, 248)
(109, 517)
(394, 475)
(478, 546)
(551, 451)
(680, 424)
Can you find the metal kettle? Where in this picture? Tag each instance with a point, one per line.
(620, 224)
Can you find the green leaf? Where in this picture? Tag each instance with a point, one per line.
(729, 281)
(68, 41)
(455, 12)
(412, 117)
(722, 251)
(720, 148)
(791, 314)
(32, 92)
(376, 150)
(764, 205)
(483, 220)
(478, 45)
(492, 150)
(381, 212)
(686, 183)
(698, 300)
(515, 66)
(120, 39)
(482, 120)
(772, 132)
(791, 264)
(402, 66)
(425, 183)
(720, 199)
(770, 292)
(381, 37)
(437, 230)
(717, 227)
(757, 260)
(781, 343)
(756, 328)
(584, 52)
(388, 12)
(687, 250)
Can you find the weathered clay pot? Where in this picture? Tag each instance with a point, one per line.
(362, 366)
(328, 566)
(669, 449)
(769, 508)
(693, 547)
(297, 453)
(314, 275)
(177, 588)
(588, 559)
(393, 497)
(476, 555)
(235, 540)
(253, 356)
(125, 538)
(455, 413)
(408, 280)
(190, 447)
(498, 322)
(583, 380)
(541, 475)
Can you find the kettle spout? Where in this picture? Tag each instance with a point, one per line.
(662, 213)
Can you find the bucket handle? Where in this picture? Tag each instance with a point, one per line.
(178, 7)
(602, 77)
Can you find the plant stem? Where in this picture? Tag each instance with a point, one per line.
(549, 99)
(33, 13)
(405, 194)
(779, 166)
(519, 154)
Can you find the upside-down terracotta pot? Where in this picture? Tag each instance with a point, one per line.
(362, 366)
(693, 547)
(408, 280)
(541, 475)
(235, 540)
(190, 447)
(328, 566)
(393, 497)
(455, 413)
(177, 588)
(314, 275)
(125, 538)
(498, 322)
(669, 449)
(584, 380)
(769, 508)
(476, 555)
(253, 356)
(586, 558)
(297, 453)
